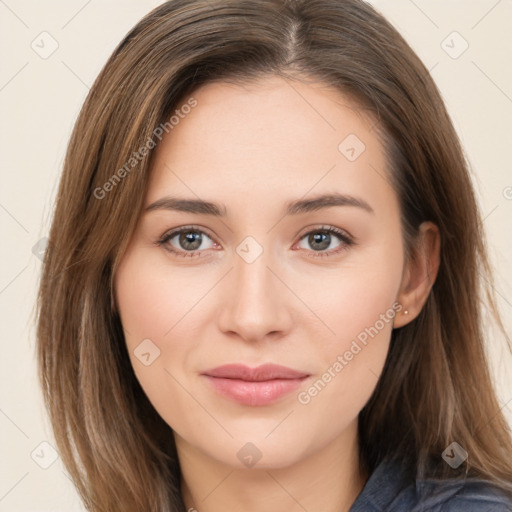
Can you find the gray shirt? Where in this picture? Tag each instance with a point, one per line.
(389, 489)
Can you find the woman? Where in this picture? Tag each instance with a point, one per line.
(263, 283)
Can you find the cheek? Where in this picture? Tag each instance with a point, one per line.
(359, 306)
(152, 301)
(162, 304)
(149, 308)
(357, 296)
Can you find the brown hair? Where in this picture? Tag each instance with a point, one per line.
(435, 387)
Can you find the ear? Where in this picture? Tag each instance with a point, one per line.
(419, 273)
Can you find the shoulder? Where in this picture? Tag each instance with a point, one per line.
(391, 489)
(470, 495)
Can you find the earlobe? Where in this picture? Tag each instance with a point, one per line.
(419, 274)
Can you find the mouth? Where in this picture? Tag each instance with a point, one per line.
(254, 386)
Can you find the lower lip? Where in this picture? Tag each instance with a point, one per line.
(254, 393)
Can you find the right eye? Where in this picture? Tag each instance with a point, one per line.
(185, 241)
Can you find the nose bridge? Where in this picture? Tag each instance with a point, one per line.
(256, 303)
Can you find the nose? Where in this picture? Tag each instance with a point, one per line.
(256, 304)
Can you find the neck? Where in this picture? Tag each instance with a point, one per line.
(328, 480)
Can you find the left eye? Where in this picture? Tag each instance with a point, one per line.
(321, 240)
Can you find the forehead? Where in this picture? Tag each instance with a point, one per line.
(269, 139)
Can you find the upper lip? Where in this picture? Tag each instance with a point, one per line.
(260, 373)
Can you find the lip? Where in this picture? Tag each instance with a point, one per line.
(258, 386)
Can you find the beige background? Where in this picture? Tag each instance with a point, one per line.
(39, 101)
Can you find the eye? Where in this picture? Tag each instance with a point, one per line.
(189, 241)
(186, 241)
(323, 238)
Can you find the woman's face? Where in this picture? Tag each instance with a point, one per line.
(257, 279)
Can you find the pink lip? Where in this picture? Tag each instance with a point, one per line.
(254, 386)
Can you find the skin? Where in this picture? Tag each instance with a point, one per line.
(253, 149)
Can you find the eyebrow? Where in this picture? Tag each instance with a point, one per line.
(297, 207)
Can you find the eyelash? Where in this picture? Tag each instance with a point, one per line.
(346, 240)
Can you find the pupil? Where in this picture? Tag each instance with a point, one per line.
(190, 237)
(318, 237)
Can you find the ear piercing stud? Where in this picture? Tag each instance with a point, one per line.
(406, 312)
